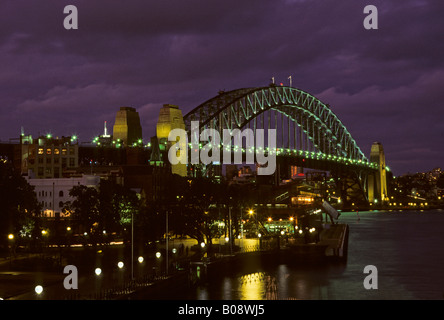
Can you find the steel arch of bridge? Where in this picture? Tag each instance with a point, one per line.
(237, 108)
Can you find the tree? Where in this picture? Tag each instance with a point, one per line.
(20, 209)
(195, 210)
(106, 209)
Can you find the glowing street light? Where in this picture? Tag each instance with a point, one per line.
(10, 236)
(140, 259)
(98, 271)
(158, 254)
(120, 264)
(38, 289)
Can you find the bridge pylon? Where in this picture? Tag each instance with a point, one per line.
(170, 117)
(377, 182)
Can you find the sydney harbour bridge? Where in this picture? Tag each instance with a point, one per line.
(309, 135)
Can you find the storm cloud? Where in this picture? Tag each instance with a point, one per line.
(385, 85)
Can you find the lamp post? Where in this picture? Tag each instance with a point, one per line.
(11, 239)
(230, 235)
(242, 229)
(132, 245)
(166, 236)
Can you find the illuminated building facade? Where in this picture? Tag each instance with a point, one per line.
(48, 157)
(52, 193)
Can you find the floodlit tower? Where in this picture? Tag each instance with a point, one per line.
(170, 117)
(105, 132)
(127, 127)
(377, 183)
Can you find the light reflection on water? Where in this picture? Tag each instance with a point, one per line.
(407, 248)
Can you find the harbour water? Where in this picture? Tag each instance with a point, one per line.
(406, 247)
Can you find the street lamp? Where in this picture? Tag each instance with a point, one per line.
(10, 238)
(38, 289)
(98, 271)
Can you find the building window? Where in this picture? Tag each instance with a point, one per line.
(64, 151)
(48, 151)
(71, 162)
(71, 151)
(56, 160)
(40, 150)
(61, 193)
(40, 171)
(40, 160)
(48, 160)
(56, 151)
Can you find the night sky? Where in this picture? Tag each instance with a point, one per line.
(385, 85)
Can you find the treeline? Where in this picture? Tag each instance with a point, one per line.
(197, 208)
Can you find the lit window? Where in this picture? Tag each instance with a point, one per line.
(64, 151)
(40, 150)
(48, 151)
(56, 151)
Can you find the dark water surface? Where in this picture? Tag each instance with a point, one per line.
(406, 247)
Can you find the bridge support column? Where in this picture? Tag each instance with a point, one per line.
(170, 117)
(377, 182)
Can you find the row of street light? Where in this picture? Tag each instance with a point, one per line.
(98, 271)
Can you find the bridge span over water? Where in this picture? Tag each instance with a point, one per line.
(309, 135)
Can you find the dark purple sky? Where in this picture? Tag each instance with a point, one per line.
(385, 85)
